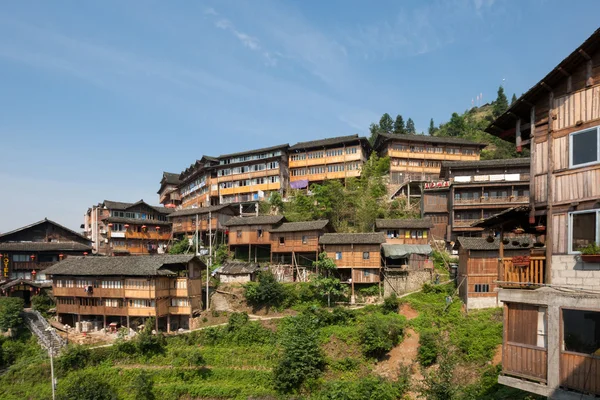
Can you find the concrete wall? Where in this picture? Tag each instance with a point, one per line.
(234, 278)
(568, 270)
(405, 281)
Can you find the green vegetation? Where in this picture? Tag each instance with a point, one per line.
(379, 333)
(10, 313)
(42, 303)
(324, 282)
(266, 292)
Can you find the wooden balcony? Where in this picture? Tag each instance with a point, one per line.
(184, 310)
(178, 292)
(493, 200)
(464, 223)
(431, 156)
(580, 372)
(151, 234)
(326, 175)
(141, 311)
(532, 276)
(525, 361)
(309, 162)
(189, 225)
(250, 189)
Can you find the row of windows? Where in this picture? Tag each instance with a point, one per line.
(366, 255)
(490, 194)
(321, 154)
(136, 215)
(119, 284)
(322, 169)
(416, 163)
(482, 288)
(118, 303)
(406, 233)
(248, 169)
(250, 182)
(261, 156)
(432, 149)
(194, 185)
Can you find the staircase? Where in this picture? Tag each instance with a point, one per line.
(37, 324)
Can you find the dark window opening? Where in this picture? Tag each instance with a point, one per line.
(281, 240)
(366, 255)
(581, 331)
(482, 288)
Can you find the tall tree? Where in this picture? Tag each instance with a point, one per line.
(399, 125)
(432, 129)
(410, 127)
(501, 103)
(386, 124)
(374, 128)
(456, 126)
(514, 98)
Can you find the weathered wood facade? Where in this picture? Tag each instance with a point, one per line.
(405, 231)
(122, 289)
(559, 120)
(250, 237)
(168, 193)
(210, 219)
(296, 244)
(332, 158)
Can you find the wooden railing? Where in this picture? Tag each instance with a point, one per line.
(580, 372)
(149, 235)
(464, 222)
(531, 276)
(525, 361)
(493, 200)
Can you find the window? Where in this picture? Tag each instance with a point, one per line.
(239, 234)
(482, 288)
(259, 233)
(366, 255)
(584, 147)
(281, 240)
(304, 239)
(20, 257)
(338, 255)
(521, 326)
(581, 331)
(392, 234)
(584, 229)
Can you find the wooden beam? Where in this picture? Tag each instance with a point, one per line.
(527, 103)
(512, 114)
(525, 142)
(569, 84)
(584, 54)
(589, 79)
(546, 86)
(518, 136)
(564, 71)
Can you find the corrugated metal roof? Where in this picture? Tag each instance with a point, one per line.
(395, 251)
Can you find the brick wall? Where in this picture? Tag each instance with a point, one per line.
(568, 270)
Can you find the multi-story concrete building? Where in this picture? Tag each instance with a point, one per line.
(198, 186)
(117, 228)
(333, 158)
(551, 340)
(128, 290)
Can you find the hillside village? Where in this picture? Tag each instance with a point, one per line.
(438, 266)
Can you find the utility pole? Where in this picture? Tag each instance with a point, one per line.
(209, 256)
(51, 352)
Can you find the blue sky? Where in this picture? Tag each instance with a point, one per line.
(98, 98)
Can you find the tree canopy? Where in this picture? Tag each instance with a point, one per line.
(399, 127)
(410, 127)
(501, 103)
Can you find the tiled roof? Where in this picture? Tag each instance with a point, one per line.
(352, 238)
(44, 246)
(328, 142)
(510, 162)
(265, 149)
(301, 226)
(259, 220)
(171, 178)
(429, 139)
(199, 210)
(237, 268)
(421, 223)
(121, 206)
(475, 243)
(42, 222)
(119, 266)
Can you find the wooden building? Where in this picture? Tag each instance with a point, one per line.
(551, 334)
(128, 290)
(26, 252)
(406, 244)
(418, 158)
(118, 228)
(169, 190)
(210, 220)
(475, 190)
(198, 185)
(356, 255)
(478, 268)
(234, 271)
(405, 231)
(252, 175)
(249, 238)
(333, 158)
(295, 246)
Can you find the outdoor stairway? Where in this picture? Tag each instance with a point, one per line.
(37, 324)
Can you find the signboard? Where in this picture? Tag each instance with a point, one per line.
(437, 185)
(5, 261)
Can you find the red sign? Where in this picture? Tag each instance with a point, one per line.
(437, 185)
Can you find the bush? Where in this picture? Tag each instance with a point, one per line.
(73, 357)
(142, 386)
(86, 385)
(391, 304)
(438, 383)
(371, 290)
(42, 303)
(302, 358)
(266, 292)
(428, 348)
(10, 313)
(380, 333)
(367, 388)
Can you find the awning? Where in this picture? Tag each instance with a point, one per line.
(395, 251)
(299, 184)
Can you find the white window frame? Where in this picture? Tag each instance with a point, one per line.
(571, 165)
(570, 227)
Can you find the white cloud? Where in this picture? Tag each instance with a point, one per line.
(210, 11)
(247, 40)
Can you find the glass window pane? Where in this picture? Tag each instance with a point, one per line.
(581, 331)
(583, 230)
(585, 147)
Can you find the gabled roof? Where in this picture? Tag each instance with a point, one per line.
(385, 137)
(328, 142)
(45, 246)
(510, 162)
(122, 206)
(171, 178)
(478, 243)
(301, 226)
(504, 125)
(281, 146)
(155, 265)
(43, 221)
(237, 268)
(352, 238)
(259, 220)
(421, 223)
(200, 210)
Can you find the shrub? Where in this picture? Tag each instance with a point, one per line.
(86, 385)
(74, 357)
(438, 383)
(266, 292)
(142, 386)
(371, 290)
(379, 333)
(391, 304)
(367, 388)
(428, 348)
(302, 358)
(10, 312)
(42, 303)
